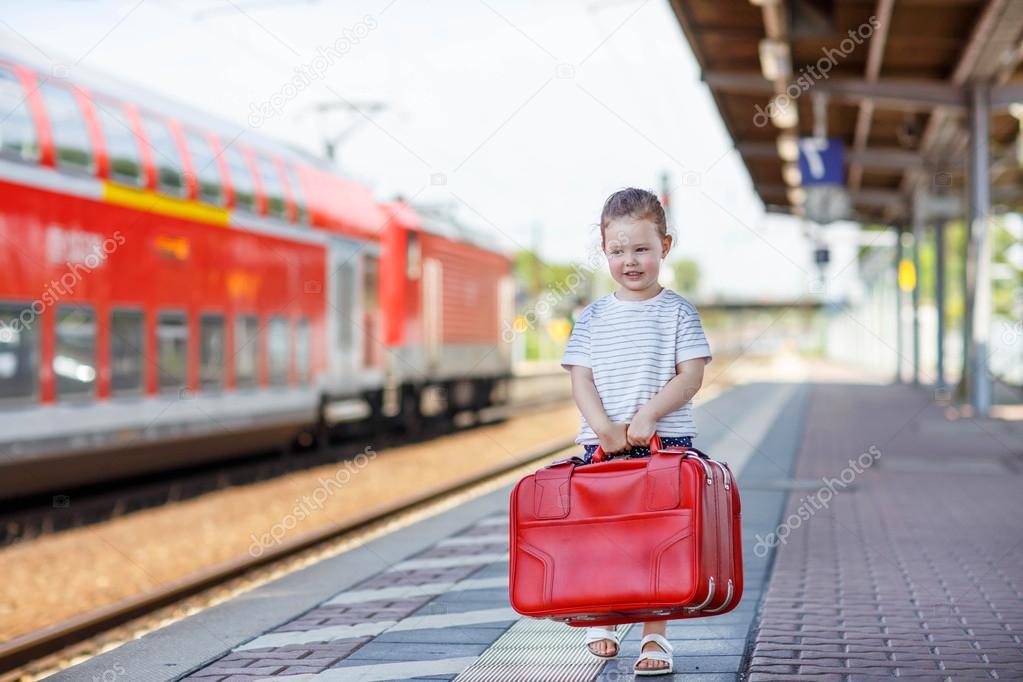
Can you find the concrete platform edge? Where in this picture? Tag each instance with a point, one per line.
(790, 429)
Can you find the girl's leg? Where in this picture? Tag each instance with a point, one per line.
(654, 627)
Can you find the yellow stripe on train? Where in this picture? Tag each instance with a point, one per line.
(146, 200)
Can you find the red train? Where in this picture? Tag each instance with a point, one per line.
(174, 291)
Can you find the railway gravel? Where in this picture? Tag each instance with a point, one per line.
(56, 577)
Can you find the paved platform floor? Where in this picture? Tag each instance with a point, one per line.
(910, 566)
(906, 562)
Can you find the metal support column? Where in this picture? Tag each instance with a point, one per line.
(898, 306)
(939, 299)
(980, 207)
(963, 389)
(918, 237)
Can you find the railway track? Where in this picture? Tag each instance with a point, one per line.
(99, 503)
(46, 648)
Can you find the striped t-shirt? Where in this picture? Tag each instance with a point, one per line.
(632, 348)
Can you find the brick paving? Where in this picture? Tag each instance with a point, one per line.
(351, 614)
(908, 561)
(249, 665)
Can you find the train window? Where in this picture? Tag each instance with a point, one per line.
(297, 196)
(369, 283)
(71, 142)
(74, 359)
(211, 351)
(277, 347)
(273, 189)
(172, 349)
(19, 351)
(246, 350)
(302, 350)
(413, 256)
(207, 172)
(17, 130)
(126, 339)
(166, 158)
(241, 179)
(121, 141)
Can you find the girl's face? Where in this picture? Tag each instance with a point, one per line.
(634, 250)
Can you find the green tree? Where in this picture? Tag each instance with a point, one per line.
(687, 276)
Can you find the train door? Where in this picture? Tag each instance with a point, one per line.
(372, 317)
(433, 308)
(345, 314)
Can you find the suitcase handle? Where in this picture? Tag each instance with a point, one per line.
(599, 455)
(655, 446)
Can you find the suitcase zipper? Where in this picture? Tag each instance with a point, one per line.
(709, 475)
(726, 545)
(717, 527)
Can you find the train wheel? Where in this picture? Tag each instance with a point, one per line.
(304, 441)
(481, 394)
(411, 417)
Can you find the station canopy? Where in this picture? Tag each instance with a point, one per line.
(895, 81)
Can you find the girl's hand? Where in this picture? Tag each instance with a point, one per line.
(640, 430)
(612, 439)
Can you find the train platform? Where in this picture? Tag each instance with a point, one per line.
(909, 566)
(900, 551)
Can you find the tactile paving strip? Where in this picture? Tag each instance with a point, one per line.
(536, 650)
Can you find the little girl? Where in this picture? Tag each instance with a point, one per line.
(636, 357)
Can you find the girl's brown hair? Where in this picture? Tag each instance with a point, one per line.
(638, 204)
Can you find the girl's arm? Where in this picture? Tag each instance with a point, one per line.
(584, 391)
(676, 393)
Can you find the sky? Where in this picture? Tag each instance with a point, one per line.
(522, 116)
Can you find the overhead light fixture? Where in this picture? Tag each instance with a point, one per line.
(796, 196)
(790, 173)
(1016, 109)
(788, 147)
(775, 59)
(783, 112)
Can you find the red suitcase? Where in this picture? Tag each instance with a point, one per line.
(626, 540)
